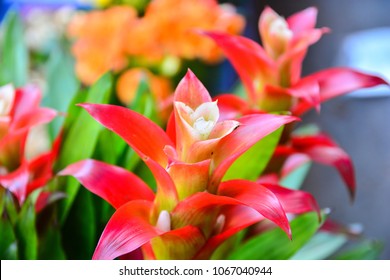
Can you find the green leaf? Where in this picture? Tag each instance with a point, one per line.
(14, 54)
(367, 250)
(50, 246)
(103, 212)
(8, 249)
(295, 179)
(62, 83)
(84, 130)
(143, 171)
(251, 164)
(225, 248)
(110, 147)
(10, 207)
(275, 245)
(79, 230)
(73, 111)
(144, 102)
(25, 232)
(321, 246)
(8, 217)
(2, 200)
(80, 139)
(131, 159)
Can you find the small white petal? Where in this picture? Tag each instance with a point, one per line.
(208, 110)
(219, 224)
(164, 221)
(7, 96)
(203, 127)
(279, 27)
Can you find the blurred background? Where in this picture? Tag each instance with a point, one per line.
(360, 38)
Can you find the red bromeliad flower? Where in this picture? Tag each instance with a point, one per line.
(272, 78)
(19, 112)
(272, 75)
(192, 212)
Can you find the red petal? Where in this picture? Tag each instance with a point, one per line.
(337, 228)
(114, 184)
(194, 209)
(295, 201)
(41, 168)
(252, 129)
(259, 198)
(323, 150)
(303, 21)
(45, 198)
(271, 178)
(308, 91)
(133, 255)
(249, 59)
(32, 118)
(336, 157)
(338, 81)
(127, 230)
(26, 100)
(231, 106)
(16, 182)
(292, 59)
(191, 91)
(144, 136)
(166, 196)
(293, 162)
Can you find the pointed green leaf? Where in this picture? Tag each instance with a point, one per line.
(131, 159)
(321, 246)
(79, 234)
(26, 234)
(14, 54)
(73, 111)
(7, 241)
(144, 102)
(81, 138)
(110, 147)
(251, 164)
(145, 105)
(62, 83)
(275, 245)
(295, 179)
(10, 207)
(50, 247)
